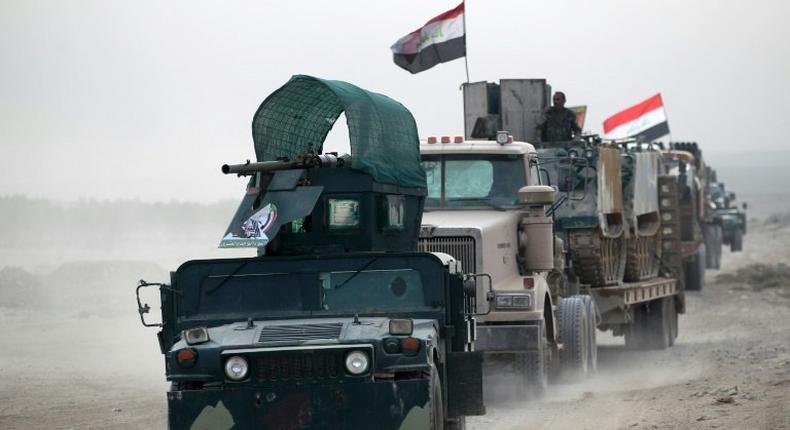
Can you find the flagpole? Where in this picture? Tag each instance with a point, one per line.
(667, 118)
(466, 57)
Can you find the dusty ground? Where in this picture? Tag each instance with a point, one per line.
(82, 361)
(730, 368)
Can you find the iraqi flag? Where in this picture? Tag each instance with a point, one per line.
(440, 40)
(646, 119)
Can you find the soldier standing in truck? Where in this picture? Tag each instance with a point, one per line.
(558, 123)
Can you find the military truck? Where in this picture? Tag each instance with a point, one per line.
(700, 230)
(338, 322)
(731, 217)
(477, 210)
(472, 212)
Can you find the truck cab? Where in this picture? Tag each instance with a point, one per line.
(486, 207)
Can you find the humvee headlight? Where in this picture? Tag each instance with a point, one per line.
(196, 335)
(402, 327)
(236, 368)
(513, 301)
(357, 362)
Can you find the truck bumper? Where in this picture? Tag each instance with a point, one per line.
(381, 405)
(507, 338)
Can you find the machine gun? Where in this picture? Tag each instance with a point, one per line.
(305, 161)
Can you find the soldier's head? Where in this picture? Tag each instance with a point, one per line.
(559, 99)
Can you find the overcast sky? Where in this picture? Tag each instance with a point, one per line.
(146, 99)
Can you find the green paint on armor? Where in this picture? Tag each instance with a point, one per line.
(418, 418)
(213, 418)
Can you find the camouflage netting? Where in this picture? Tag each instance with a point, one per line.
(296, 118)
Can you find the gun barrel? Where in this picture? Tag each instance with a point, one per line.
(253, 168)
(302, 162)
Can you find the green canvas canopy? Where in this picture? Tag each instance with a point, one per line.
(296, 118)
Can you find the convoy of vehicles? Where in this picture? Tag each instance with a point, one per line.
(394, 285)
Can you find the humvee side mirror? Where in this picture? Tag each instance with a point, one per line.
(144, 308)
(745, 206)
(732, 196)
(536, 195)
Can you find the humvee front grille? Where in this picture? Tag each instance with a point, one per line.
(300, 332)
(321, 364)
(462, 248)
(300, 365)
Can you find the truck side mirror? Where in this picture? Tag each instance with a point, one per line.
(536, 195)
(545, 179)
(470, 287)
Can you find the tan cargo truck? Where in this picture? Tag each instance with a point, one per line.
(489, 206)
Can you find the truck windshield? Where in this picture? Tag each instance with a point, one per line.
(365, 286)
(467, 181)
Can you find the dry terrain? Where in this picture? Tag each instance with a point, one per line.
(74, 355)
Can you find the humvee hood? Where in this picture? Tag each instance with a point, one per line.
(323, 331)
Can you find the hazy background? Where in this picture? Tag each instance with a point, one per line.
(147, 99)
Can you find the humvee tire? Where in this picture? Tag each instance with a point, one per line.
(695, 271)
(437, 405)
(651, 325)
(574, 335)
(536, 366)
(736, 244)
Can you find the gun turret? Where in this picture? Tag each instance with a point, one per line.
(305, 161)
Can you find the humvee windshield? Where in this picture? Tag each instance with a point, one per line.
(289, 287)
(473, 180)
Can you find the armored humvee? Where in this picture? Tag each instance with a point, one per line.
(339, 322)
(731, 217)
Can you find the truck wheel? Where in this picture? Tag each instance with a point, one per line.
(695, 271)
(592, 333)
(672, 315)
(574, 336)
(650, 328)
(634, 333)
(719, 246)
(437, 405)
(713, 247)
(536, 366)
(456, 424)
(736, 244)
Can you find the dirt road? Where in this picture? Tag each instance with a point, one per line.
(730, 368)
(92, 366)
